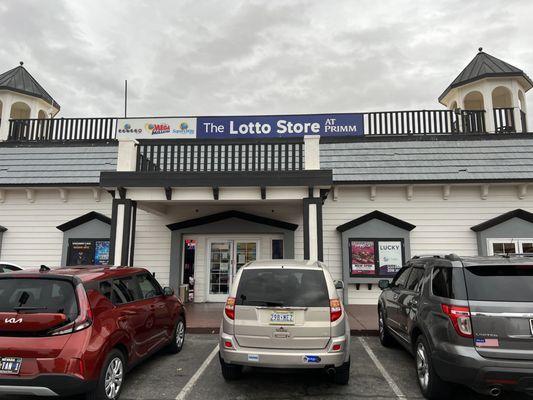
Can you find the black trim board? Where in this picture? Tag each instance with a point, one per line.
(376, 215)
(232, 214)
(518, 213)
(430, 137)
(216, 179)
(82, 220)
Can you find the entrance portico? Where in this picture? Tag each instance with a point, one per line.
(228, 217)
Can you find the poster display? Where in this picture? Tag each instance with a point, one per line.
(375, 258)
(101, 252)
(390, 257)
(362, 258)
(81, 253)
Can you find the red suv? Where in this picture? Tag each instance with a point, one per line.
(78, 330)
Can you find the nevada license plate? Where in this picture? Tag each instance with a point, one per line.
(282, 318)
(10, 365)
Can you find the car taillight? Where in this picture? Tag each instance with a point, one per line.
(335, 309)
(84, 318)
(230, 308)
(460, 317)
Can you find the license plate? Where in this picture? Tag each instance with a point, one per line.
(10, 365)
(282, 318)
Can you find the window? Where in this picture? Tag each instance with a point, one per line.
(283, 287)
(125, 290)
(500, 283)
(401, 278)
(375, 257)
(105, 289)
(148, 287)
(414, 279)
(509, 246)
(441, 283)
(277, 249)
(88, 252)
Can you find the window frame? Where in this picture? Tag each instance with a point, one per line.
(518, 243)
(394, 284)
(418, 286)
(153, 281)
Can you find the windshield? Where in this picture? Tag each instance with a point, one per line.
(283, 288)
(38, 296)
(500, 283)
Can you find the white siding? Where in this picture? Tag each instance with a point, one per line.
(32, 238)
(442, 226)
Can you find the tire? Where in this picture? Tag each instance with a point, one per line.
(430, 384)
(385, 337)
(230, 372)
(342, 374)
(178, 338)
(116, 366)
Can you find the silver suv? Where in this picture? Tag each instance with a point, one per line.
(285, 314)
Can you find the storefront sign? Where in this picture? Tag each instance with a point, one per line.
(156, 128)
(241, 126)
(390, 257)
(362, 259)
(281, 126)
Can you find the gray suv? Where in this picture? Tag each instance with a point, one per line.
(466, 320)
(285, 314)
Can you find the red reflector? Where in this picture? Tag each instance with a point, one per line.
(228, 344)
(336, 347)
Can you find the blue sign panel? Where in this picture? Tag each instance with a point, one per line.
(280, 126)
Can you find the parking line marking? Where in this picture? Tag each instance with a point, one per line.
(382, 369)
(187, 388)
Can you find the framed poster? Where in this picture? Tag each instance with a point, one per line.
(390, 257)
(362, 258)
(81, 252)
(101, 252)
(375, 257)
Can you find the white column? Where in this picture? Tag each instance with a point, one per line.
(312, 151)
(313, 232)
(119, 235)
(127, 155)
(7, 102)
(516, 107)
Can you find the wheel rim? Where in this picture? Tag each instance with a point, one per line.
(180, 334)
(422, 367)
(113, 378)
(380, 324)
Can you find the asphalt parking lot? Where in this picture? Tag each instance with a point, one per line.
(194, 374)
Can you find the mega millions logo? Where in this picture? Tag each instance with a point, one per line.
(157, 129)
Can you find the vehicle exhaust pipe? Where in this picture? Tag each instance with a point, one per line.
(330, 371)
(495, 391)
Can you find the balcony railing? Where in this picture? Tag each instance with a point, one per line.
(418, 122)
(245, 155)
(504, 120)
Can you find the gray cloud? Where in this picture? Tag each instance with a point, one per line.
(256, 57)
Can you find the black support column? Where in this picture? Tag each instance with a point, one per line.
(123, 222)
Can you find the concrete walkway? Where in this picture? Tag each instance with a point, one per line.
(206, 317)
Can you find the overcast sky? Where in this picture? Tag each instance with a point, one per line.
(256, 57)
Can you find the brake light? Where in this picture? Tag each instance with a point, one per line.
(228, 344)
(460, 317)
(230, 308)
(335, 309)
(336, 347)
(84, 318)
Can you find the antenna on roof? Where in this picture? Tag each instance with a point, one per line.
(126, 98)
(480, 49)
(21, 63)
(44, 268)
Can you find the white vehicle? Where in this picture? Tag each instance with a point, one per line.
(8, 267)
(285, 314)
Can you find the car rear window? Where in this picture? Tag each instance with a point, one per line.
(448, 282)
(38, 296)
(282, 288)
(500, 283)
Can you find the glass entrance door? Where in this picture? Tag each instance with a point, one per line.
(225, 257)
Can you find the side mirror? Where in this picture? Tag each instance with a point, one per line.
(339, 285)
(168, 291)
(383, 284)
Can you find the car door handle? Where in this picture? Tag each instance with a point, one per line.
(126, 313)
(412, 303)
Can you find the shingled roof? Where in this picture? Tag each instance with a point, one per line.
(20, 80)
(482, 66)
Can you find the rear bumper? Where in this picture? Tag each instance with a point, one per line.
(45, 385)
(284, 358)
(465, 366)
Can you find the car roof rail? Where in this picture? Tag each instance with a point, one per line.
(453, 257)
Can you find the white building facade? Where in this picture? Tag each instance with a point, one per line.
(192, 201)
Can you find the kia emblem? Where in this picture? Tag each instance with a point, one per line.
(13, 320)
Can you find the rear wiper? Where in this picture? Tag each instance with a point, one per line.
(28, 308)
